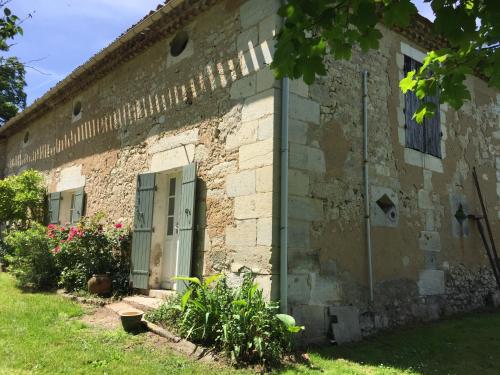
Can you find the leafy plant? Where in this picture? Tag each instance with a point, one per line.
(31, 261)
(22, 199)
(12, 71)
(5, 250)
(237, 321)
(91, 248)
(317, 29)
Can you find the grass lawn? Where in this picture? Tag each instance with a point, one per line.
(469, 345)
(41, 334)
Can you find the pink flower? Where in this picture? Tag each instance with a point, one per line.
(118, 225)
(73, 231)
(56, 250)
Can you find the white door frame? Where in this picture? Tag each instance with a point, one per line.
(171, 230)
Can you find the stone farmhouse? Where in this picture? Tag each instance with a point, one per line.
(180, 129)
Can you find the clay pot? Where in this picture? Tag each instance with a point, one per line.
(100, 285)
(131, 320)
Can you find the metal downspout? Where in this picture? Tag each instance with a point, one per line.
(285, 96)
(366, 183)
(285, 100)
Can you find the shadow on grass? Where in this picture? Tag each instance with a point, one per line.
(466, 345)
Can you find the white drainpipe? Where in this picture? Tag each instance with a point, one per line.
(285, 100)
(366, 183)
(285, 96)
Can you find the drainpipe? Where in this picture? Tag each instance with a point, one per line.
(366, 183)
(285, 96)
(285, 100)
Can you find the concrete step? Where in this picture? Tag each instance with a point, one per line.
(161, 293)
(143, 303)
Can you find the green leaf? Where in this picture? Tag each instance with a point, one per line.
(419, 115)
(408, 83)
(193, 280)
(370, 39)
(399, 13)
(209, 280)
(295, 329)
(287, 319)
(185, 298)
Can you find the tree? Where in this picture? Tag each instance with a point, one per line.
(314, 29)
(22, 199)
(12, 71)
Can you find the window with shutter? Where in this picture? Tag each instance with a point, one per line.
(77, 205)
(54, 204)
(425, 137)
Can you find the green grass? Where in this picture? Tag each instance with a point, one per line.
(42, 334)
(468, 345)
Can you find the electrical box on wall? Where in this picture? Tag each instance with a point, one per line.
(384, 207)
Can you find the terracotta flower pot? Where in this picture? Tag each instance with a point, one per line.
(100, 285)
(131, 320)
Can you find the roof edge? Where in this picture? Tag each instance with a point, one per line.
(420, 31)
(49, 99)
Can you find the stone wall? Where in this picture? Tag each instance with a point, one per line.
(214, 104)
(425, 263)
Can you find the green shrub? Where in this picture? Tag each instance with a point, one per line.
(31, 261)
(237, 321)
(5, 250)
(22, 199)
(91, 248)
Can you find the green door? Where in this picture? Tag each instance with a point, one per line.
(186, 224)
(143, 229)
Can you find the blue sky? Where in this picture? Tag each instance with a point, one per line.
(63, 34)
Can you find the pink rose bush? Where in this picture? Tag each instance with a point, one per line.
(89, 248)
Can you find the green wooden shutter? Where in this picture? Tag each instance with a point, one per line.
(414, 131)
(78, 208)
(54, 204)
(186, 224)
(433, 130)
(143, 229)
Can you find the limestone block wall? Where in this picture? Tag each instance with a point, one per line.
(214, 104)
(425, 263)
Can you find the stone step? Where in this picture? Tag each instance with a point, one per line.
(143, 303)
(161, 293)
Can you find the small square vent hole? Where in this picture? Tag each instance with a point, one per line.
(385, 203)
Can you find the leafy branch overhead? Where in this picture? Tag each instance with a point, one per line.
(12, 71)
(316, 29)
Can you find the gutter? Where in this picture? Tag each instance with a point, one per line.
(366, 182)
(285, 101)
(285, 98)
